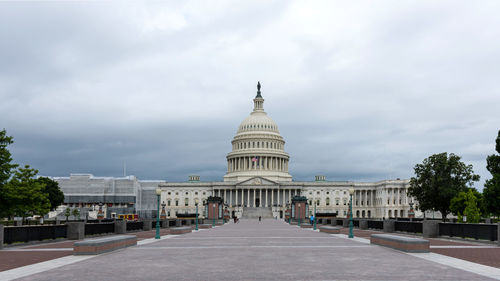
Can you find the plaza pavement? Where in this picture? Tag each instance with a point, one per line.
(267, 250)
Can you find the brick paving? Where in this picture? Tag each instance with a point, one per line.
(252, 250)
(485, 256)
(14, 257)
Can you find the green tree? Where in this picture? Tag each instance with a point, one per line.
(25, 194)
(471, 210)
(67, 213)
(55, 195)
(76, 213)
(438, 179)
(491, 191)
(458, 203)
(6, 169)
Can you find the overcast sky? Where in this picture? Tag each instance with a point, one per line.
(360, 90)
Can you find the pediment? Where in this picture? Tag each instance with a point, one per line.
(257, 181)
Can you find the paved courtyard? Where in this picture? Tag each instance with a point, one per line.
(267, 250)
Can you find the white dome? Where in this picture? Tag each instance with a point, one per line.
(258, 121)
(258, 148)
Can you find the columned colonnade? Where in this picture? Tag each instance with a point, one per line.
(250, 196)
(268, 163)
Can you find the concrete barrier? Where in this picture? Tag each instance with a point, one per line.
(120, 226)
(306, 225)
(147, 225)
(164, 223)
(334, 222)
(76, 230)
(402, 243)
(204, 226)
(330, 229)
(103, 245)
(498, 233)
(430, 228)
(180, 230)
(389, 226)
(363, 224)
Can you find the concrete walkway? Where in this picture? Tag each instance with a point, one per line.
(267, 250)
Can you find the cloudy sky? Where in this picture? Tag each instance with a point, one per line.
(361, 90)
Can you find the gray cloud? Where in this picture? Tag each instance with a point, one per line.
(360, 90)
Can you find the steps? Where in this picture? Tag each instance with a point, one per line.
(254, 213)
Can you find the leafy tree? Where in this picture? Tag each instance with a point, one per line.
(458, 203)
(6, 169)
(471, 210)
(55, 195)
(25, 194)
(67, 213)
(491, 189)
(438, 179)
(76, 213)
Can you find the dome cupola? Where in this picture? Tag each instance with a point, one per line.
(258, 148)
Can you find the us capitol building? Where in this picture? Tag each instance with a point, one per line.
(257, 181)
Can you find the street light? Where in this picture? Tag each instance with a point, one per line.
(351, 192)
(158, 194)
(196, 216)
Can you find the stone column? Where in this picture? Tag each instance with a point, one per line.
(236, 195)
(260, 198)
(272, 197)
(254, 195)
(248, 197)
(231, 198)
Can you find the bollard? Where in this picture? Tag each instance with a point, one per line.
(389, 226)
(120, 226)
(76, 230)
(498, 233)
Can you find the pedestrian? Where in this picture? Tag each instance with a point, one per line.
(260, 218)
(312, 219)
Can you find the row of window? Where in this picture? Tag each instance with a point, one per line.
(259, 144)
(258, 126)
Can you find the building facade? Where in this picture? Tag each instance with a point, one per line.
(257, 177)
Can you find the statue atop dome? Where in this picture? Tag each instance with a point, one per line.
(258, 90)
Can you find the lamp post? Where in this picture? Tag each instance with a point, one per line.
(314, 216)
(158, 194)
(196, 228)
(213, 215)
(351, 192)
